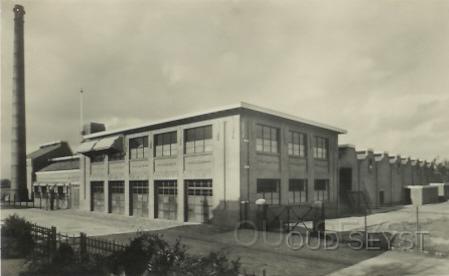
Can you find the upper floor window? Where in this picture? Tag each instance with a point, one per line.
(296, 144)
(97, 158)
(138, 148)
(119, 155)
(165, 144)
(320, 148)
(198, 139)
(267, 139)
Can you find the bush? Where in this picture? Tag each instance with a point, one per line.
(151, 254)
(66, 263)
(17, 239)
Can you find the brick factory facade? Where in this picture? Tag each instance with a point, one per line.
(213, 166)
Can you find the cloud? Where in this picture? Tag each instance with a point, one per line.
(376, 68)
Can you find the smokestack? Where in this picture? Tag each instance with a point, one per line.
(18, 134)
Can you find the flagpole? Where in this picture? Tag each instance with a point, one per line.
(81, 111)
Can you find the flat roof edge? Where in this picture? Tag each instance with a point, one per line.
(243, 105)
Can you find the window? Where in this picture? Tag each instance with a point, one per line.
(267, 139)
(116, 156)
(296, 144)
(321, 190)
(320, 148)
(297, 189)
(165, 144)
(198, 139)
(97, 158)
(199, 187)
(138, 148)
(269, 190)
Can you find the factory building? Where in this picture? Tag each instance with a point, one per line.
(202, 167)
(379, 179)
(213, 166)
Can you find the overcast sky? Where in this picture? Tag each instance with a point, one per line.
(376, 68)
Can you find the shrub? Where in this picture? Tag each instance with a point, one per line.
(151, 254)
(17, 239)
(65, 263)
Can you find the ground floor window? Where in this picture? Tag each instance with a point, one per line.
(166, 199)
(321, 190)
(199, 200)
(97, 196)
(381, 197)
(139, 198)
(269, 190)
(297, 191)
(117, 197)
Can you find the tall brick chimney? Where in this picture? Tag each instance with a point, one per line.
(18, 133)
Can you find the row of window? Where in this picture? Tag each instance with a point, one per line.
(267, 140)
(269, 189)
(199, 139)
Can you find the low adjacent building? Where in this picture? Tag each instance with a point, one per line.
(57, 184)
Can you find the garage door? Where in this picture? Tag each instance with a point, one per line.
(199, 200)
(97, 196)
(117, 197)
(166, 199)
(139, 198)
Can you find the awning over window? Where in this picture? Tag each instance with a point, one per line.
(115, 143)
(86, 146)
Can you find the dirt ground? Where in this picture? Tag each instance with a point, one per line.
(269, 251)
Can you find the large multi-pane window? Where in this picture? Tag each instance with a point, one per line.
(296, 144)
(199, 200)
(198, 139)
(166, 199)
(117, 197)
(138, 148)
(269, 190)
(267, 139)
(297, 191)
(321, 190)
(320, 148)
(139, 198)
(165, 144)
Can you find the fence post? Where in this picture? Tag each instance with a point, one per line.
(83, 245)
(53, 241)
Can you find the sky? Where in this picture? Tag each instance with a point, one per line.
(378, 69)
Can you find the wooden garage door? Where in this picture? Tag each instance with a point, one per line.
(199, 200)
(97, 196)
(139, 198)
(117, 197)
(166, 199)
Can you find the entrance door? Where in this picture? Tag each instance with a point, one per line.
(75, 197)
(97, 196)
(139, 198)
(381, 198)
(345, 183)
(166, 199)
(199, 200)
